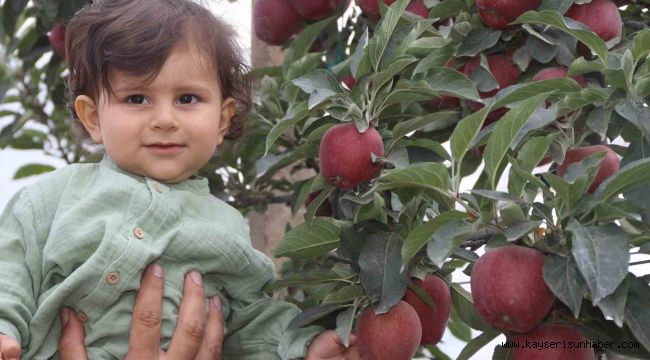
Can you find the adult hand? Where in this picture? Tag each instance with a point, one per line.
(194, 337)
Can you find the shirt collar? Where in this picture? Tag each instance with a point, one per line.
(197, 184)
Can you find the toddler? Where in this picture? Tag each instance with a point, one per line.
(157, 83)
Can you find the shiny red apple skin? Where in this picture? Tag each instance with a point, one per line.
(434, 322)
(608, 166)
(508, 288)
(498, 14)
(275, 21)
(560, 335)
(344, 155)
(394, 335)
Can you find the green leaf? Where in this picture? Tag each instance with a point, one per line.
(464, 134)
(613, 305)
(303, 41)
(400, 40)
(519, 230)
(381, 271)
(294, 115)
(32, 169)
(516, 93)
(478, 40)
(310, 278)
(641, 195)
(462, 302)
(629, 177)
(377, 45)
(582, 66)
(320, 84)
(312, 314)
(446, 239)
(422, 234)
(602, 256)
(477, 344)
(448, 8)
(634, 112)
(562, 276)
(346, 294)
(360, 63)
(439, 57)
(433, 176)
(344, 322)
(317, 202)
(637, 316)
(309, 239)
(530, 154)
(505, 132)
(552, 18)
(458, 328)
(447, 81)
(641, 44)
(403, 128)
(581, 99)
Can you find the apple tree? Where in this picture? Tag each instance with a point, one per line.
(506, 140)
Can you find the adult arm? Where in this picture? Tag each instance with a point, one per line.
(195, 336)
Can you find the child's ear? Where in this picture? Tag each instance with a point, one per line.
(228, 109)
(88, 116)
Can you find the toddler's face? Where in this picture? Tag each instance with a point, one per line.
(166, 130)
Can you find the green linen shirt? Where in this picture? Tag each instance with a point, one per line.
(82, 236)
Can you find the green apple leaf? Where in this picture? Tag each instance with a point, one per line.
(381, 271)
(314, 238)
(422, 234)
(562, 276)
(602, 256)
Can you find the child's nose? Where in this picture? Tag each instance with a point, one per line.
(164, 118)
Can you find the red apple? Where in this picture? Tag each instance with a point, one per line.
(57, 39)
(394, 335)
(601, 16)
(349, 81)
(275, 21)
(561, 335)
(434, 321)
(555, 72)
(497, 14)
(608, 166)
(504, 71)
(371, 8)
(345, 159)
(417, 7)
(317, 9)
(508, 288)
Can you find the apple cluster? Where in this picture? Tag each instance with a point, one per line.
(398, 333)
(510, 294)
(276, 21)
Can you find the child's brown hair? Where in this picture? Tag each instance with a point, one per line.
(137, 36)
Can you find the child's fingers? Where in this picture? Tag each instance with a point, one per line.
(9, 348)
(71, 343)
(213, 339)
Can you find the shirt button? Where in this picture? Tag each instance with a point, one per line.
(139, 233)
(82, 316)
(113, 278)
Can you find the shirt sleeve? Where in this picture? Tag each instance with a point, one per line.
(256, 323)
(19, 255)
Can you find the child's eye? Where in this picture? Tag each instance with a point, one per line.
(187, 99)
(136, 99)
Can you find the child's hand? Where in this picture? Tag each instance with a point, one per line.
(328, 346)
(9, 348)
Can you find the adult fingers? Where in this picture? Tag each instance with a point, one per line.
(71, 343)
(190, 326)
(213, 339)
(144, 338)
